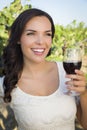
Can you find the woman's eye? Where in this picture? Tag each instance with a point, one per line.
(30, 33)
(49, 34)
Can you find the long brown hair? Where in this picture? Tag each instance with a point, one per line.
(12, 54)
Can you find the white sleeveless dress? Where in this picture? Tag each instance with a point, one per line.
(54, 112)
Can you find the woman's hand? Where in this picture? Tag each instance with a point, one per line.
(78, 82)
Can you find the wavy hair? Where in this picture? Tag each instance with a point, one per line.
(12, 54)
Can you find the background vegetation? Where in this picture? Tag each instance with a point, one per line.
(72, 34)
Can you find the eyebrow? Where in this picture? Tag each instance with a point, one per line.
(35, 31)
(30, 30)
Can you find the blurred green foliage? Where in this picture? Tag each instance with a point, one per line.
(74, 34)
(7, 16)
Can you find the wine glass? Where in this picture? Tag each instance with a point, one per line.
(72, 60)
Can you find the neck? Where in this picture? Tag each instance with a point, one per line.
(34, 69)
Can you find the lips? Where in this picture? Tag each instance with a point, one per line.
(38, 51)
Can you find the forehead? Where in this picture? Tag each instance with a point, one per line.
(38, 22)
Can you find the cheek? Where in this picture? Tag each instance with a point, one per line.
(49, 42)
(25, 42)
(25, 45)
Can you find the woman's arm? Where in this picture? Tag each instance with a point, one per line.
(82, 110)
(79, 85)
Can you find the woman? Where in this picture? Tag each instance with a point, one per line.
(34, 87)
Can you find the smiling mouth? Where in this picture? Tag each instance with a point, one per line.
(38, 51)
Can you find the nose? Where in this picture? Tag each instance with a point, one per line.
(40, 39)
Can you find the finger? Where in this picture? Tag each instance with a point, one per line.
(79, 83)
(77, 89)
(76, 83)
(74, 77)
(79, 72)
(80, 76)
(69, 83)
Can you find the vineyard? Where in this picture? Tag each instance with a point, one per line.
(65, 36)
(74, 34)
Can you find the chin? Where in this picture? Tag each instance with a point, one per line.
(39, 60)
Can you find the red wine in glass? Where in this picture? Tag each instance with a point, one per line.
(72, 60)
(71, 66)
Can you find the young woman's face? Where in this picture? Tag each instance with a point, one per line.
(36, 39)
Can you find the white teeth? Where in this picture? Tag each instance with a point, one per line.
(38, 50)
